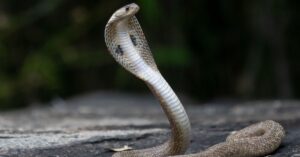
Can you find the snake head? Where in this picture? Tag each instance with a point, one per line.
(125, 12)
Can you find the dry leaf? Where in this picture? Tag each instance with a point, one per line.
(124, 148)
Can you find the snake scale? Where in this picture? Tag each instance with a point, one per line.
(127, 44)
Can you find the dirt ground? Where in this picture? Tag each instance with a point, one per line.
(92, 124)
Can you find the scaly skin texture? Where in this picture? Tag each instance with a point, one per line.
(127, 44)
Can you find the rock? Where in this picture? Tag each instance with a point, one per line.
(90, 125)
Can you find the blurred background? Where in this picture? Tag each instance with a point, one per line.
(208, 50)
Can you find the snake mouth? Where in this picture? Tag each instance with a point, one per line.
(135, 6)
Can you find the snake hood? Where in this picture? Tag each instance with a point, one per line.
(124, 12)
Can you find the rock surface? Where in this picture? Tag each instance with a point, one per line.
(90, 125)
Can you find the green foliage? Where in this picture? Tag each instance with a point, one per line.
(209, 49)
(151, 10)
(172, 56)
(6, 91)
(40, 71)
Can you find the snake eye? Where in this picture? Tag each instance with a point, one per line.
(127, 9)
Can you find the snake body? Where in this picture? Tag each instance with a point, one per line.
(127, 44)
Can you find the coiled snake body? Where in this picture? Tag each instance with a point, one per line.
(127, 44)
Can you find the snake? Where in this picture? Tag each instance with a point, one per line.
(127, 44)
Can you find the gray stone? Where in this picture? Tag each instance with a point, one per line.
(90, 125)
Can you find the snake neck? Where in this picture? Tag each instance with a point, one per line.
(172, 107)
(174, 111)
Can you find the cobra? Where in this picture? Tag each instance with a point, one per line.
(128, 46)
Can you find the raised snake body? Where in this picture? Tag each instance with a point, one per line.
(127, 44)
